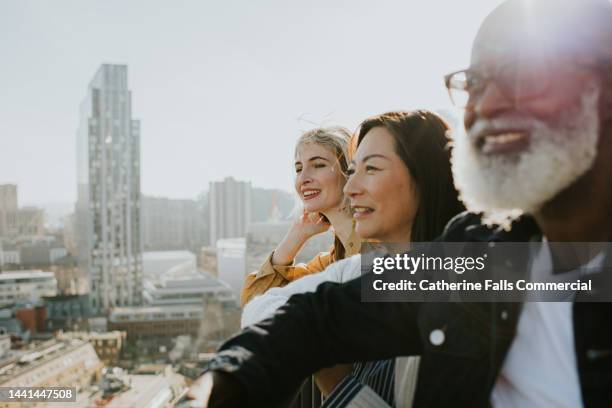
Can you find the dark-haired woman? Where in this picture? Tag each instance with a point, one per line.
(401, 190)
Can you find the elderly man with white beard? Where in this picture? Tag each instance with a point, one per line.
(535, 157)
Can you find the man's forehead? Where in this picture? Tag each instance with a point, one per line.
(543, 29)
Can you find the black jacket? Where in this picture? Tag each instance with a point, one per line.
(333, 326)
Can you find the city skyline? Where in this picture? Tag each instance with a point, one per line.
(219, 91)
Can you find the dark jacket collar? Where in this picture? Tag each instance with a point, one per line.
(469, 227)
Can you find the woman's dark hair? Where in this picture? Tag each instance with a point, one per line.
(422, 143)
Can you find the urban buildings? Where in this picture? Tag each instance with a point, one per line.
(107, 345)
(152, 329)
(26, 286)
(68, 312)
(173, 224)
(41, 253)
(154, 385)
(15, 221)
(9, 255)
(70, 363)
(26, 221)
(231, 262)
(229, 209)
(271, 204)
(261, 239)
(108, 177)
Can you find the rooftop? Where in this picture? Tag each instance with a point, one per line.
(26, 274)
(167, 255)
(45, 352)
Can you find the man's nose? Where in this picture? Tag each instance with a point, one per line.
(491, 102)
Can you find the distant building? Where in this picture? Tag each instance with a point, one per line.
(262, 238)
(208, 260)
(9, 255)
(108, 206)
(27, 221)
(187, 290)
(26, 286)
(8, 197)
(41, 253)
(173, 224)
(70, 279)
(68, 312)
(156, 388)
(157, 263)
(32, 317)
(229, 209)
(15, 221)
(11, 325)
(202, 292)
(107, 345)
(8, 203)
(271, 204)
(150, 328)
(231, 262)
(71, 363)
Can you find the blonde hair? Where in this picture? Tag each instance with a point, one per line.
(335, 138)
(338, 140)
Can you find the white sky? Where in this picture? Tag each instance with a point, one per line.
(221, 88)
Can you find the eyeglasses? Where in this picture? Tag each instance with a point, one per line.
(518, 81)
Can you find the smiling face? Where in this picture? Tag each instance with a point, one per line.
(531, 125)
(319, 178)
(382, 193)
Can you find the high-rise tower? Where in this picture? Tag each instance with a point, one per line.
(108, 178)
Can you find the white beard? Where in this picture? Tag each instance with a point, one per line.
(503, 187)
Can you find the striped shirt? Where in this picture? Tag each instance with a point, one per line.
(377, 376)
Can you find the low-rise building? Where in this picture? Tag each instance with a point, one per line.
(32, 317)
(152, 386)
(71, 363)
(150, 328)
(30, 285)
(107, 345)
(25, 221)
(9, 255)
(192, 289)
(68, 312)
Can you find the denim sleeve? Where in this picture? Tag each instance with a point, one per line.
(313, 331)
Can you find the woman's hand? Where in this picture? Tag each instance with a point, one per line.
(309, 225)
(305, 227)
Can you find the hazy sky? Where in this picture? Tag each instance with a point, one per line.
(221, 88)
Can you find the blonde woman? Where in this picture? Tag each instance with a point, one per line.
(320, 164)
